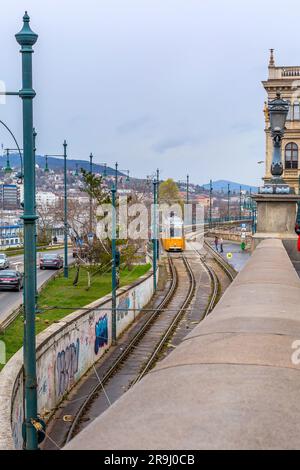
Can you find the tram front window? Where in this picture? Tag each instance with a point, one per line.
(175, 232)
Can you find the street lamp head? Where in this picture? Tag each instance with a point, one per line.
(26, 37)
(278, 110)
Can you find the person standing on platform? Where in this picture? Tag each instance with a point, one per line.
(221, 245)
(216, 243)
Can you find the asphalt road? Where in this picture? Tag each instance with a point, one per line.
(10, 300)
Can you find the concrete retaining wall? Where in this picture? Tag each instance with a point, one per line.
(65, 351)
(233, 383)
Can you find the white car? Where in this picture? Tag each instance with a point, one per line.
(4, 264)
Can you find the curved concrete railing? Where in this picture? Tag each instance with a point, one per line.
(65, 351)
(233, 383)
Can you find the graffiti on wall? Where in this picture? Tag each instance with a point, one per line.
(89, 336)
(17, 416)
(101, 333)
(66, 367)
(123, 306)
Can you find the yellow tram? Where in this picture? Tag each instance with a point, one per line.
(173, 234)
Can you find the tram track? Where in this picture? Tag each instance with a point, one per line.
(145, 348)
(146, 343)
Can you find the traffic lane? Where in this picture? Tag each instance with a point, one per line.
(11, 300)
(14, 260)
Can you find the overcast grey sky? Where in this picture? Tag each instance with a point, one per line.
(174, 84)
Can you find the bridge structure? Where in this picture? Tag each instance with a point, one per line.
(232, 382)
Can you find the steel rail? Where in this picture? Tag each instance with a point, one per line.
(229, 270)
(126, 351)
(173, 324)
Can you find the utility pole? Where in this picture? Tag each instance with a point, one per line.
(66, 227)
(158, 215)
(154, 235)
(116, 177)
(91, 199)
(114, 267)
(240, 202)
(187, 188)
(210, 202)
(228, 209)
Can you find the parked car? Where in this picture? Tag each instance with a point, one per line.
(4, 263)
(51, 260)
(11, 280)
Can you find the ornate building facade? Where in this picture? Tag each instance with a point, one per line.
(287, 81)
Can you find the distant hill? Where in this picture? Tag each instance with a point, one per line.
(58, 164)
(222, 185)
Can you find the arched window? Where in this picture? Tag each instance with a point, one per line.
(291, 155)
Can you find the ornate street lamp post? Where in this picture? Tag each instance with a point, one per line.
(278, 111)
(27, 38)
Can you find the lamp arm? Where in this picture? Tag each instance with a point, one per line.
(17, 145)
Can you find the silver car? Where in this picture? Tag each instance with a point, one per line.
(4, 264)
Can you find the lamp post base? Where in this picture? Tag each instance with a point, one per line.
(276, 217)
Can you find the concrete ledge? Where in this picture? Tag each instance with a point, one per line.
(231, 384)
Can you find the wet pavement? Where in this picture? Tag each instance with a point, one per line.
(239, 257)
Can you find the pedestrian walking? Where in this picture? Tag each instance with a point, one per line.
(221, 245)
(217, 243)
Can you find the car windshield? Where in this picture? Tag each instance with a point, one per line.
(49, 256)
(8, 274)
(2, 256)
